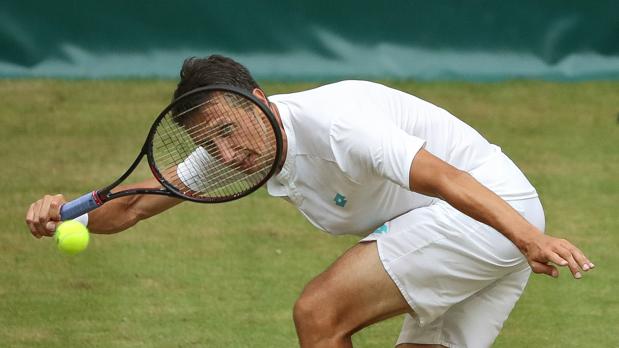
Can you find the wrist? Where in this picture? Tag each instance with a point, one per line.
(525, 240)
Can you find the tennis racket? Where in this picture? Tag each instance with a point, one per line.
(213, 144)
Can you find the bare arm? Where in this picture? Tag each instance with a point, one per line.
(121, 213)
(431, 176)
(114, 216)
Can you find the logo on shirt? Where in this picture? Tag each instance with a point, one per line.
(382, 229)
(340, 200)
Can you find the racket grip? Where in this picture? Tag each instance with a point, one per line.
(79, 206)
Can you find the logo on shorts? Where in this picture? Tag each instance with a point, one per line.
(340, 200)
(382, 229)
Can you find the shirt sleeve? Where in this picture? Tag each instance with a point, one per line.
(201, 172)
(193, 171)
(364, 147)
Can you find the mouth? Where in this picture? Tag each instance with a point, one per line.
(247, 162)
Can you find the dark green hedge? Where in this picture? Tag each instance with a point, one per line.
(314, 40)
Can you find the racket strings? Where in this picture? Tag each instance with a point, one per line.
(210, 146)
(211, 150)
(206, 174)
(222, 146)
(202, 184)
(200, 166)
(196, 130)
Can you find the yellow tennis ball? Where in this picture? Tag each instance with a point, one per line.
(71, 237)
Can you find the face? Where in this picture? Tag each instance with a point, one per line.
(235, 132)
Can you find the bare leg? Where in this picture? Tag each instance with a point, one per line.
(351, 294)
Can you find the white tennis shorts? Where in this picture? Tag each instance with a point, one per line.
(461, 277)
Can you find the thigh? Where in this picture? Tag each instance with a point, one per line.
(355, 290)
(478, 320)
(439, 257)
(474, 322)
(476, 279)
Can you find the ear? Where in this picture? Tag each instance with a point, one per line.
(258, 93)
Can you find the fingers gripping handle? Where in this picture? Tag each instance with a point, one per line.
(79, 206)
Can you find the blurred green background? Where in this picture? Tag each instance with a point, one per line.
(80, 83)
(314, 40)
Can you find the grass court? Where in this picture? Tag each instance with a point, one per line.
(227, 275)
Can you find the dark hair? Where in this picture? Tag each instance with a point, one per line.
(202, 72)
(216, 69)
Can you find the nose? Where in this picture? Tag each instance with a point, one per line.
(225, 152)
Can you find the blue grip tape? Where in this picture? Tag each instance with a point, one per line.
(78, 206)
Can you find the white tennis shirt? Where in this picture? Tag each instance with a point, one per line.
(350, 147)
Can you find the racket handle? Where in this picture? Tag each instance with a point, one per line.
(79, 206)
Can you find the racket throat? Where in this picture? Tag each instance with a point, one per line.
(98, 198)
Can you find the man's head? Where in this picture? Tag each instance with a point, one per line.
(216, 69)
(213, 70)
(223, 125)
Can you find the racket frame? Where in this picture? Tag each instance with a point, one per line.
(95, 199)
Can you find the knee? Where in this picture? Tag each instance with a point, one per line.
(313, 313)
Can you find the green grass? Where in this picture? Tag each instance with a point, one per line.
(227, 275)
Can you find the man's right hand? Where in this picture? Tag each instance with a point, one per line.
(542, 250)
(44, 214)
(114, 216)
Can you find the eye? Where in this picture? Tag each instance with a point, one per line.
(208, 145)
(226, 130)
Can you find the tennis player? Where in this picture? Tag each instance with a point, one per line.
(450, 228)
